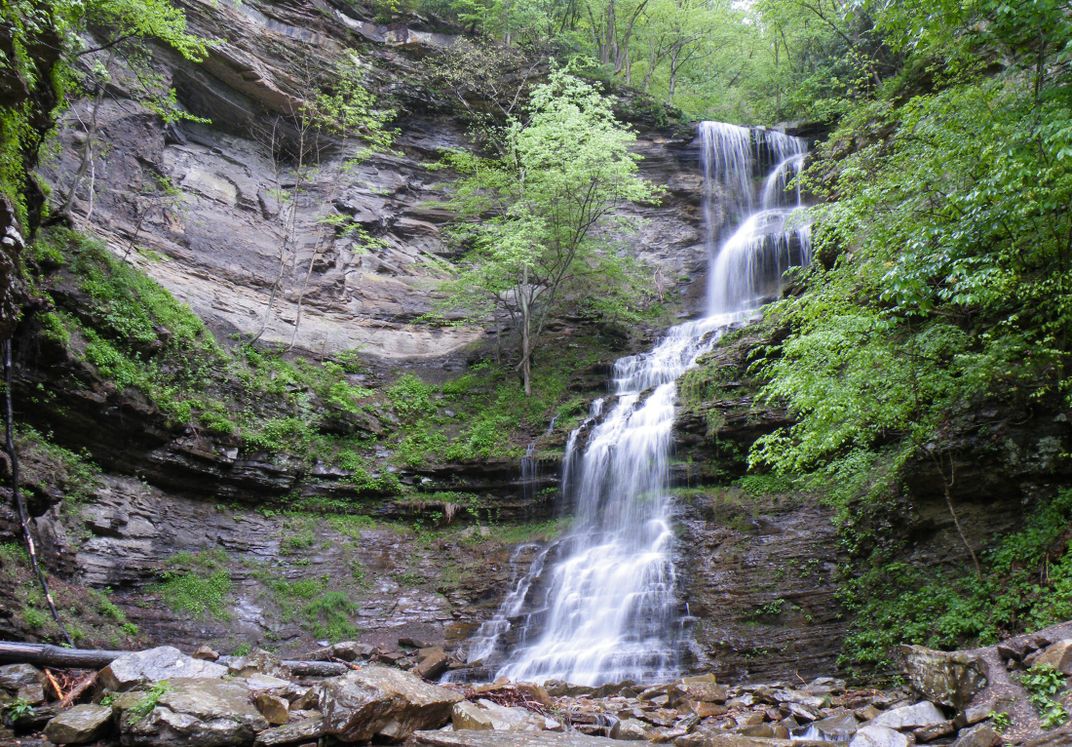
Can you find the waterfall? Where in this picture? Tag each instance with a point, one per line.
(602, 604)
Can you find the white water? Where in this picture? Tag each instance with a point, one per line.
(602, 605)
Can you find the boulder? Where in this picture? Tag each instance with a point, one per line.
(707, 710)
(13, 677)
(196, 713)
(78, 725)
(33, 694)
(207, 653)
(630, 729)
(949, 678)
(384, 702)
(838, 727)
(879, 736)
(487, 715)
(1057, 655)
(701, 688)
(155, 664)
(468, 715)
(983, 735)
(276, 710)
(934, 731)
(915, 716)
(308, 730)
(431, 663)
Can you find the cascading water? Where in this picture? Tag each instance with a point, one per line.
(601, 604)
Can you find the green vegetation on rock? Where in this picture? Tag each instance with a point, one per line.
(197, 584)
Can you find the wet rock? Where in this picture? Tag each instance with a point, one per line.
(629, 729)
(1057, 655)
(560, 689)
(935, 731)
(16, 676)
(838, 728)
(950, 679)
(485, 714)
(258, 662)
(153, 665)
(308, 730)
(32, 694)
(879, 736)
(491, 739)
(983, 735)
(274, 708)
(431, 663)
(758, 730)
(825, 686)
(385, 702)
(708, 710)
(712, 739)
(915, 716)
(197, 713)
(206, 653)
(78, 725)
(802, 712)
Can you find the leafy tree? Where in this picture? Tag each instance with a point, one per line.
(534, 212)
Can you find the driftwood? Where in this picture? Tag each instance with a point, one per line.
(47, 655)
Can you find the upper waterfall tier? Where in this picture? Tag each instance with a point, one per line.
(747, 265)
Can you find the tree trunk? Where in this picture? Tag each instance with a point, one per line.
(526, 339)
(47, 655)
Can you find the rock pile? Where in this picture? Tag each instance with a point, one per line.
(166, 698)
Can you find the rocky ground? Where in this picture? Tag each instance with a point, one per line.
(353, 693)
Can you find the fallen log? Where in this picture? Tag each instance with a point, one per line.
(47, 655)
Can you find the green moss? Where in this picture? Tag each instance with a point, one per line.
(197, 584)
(325, 614)
(329, 616)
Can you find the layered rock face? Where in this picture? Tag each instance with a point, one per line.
(220, 214)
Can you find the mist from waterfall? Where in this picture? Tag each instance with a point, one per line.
(602, 603)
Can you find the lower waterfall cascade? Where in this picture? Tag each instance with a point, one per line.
(602, 603)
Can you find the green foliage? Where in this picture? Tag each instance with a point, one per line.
(1043, 684)
(145, 705)
(197, 584)
(1000, 719)
(944, 264)
(18, 709)
(1026, 585)
(531, 215)
(410, 397)
(325, 614)
(76, 473)
(347, 108)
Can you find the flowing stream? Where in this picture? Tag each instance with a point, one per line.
(602, 604)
